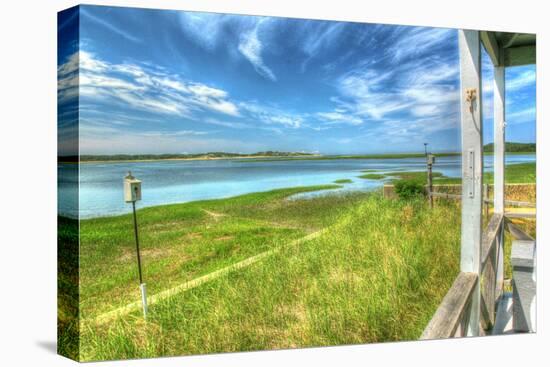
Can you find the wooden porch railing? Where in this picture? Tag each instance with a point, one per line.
(491, 287)
(444, 195)
(451, 317)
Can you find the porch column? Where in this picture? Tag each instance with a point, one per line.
(499, 164)
(472, 164)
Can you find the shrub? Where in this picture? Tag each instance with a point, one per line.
(409, 189)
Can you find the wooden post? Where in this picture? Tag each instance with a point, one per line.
(472, 165)
(499, 164)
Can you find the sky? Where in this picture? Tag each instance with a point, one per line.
(160, 81)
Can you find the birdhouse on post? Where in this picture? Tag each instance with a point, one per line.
(132, 188)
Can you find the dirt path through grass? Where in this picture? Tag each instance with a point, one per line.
(214, 215)
(151, 300)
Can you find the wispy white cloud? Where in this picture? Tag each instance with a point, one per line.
(139, 87)
(251, 48)
(414, 41)
(229, 124)
(521, 116)
(315, 37)
(286, 120)
(203, 28)
(396, 132)
(88, 16)
(366, 96)
(433, 73)
(208, 30)
(522, 80)
(174, 133)
(321, 35)
(413, 90)
(272, 115)
(339, 118)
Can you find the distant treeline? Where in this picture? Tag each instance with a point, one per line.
(209, 155)
(513, 147)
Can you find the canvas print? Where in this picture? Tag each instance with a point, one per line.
(232, 183)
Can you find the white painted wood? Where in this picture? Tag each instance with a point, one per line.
(499, 164)
(491, 46)
(472, 165)
(503, 323)
(447, 320)
(499, 139)
(524, 284)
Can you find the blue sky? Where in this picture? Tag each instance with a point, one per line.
(158, 81)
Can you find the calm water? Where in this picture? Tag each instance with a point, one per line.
(167, 182)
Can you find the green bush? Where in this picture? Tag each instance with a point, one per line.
(409, 189)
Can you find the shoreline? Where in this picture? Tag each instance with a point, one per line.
(284, 158)
(300, 189)
(320, 187)
(171, 159)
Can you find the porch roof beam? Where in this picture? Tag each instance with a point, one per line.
(491, 46)
(522, 55)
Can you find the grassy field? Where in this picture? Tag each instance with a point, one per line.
(515, 173)
(369, 278)
(182, 242)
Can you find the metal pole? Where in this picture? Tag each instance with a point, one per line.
(137, 242)
(430, 186)
(142, 285)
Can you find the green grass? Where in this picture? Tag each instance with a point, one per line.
(369, 278)
(414, 175)
(401, 175)
(373, 176)
(67, 288)
(515, 173)
(184, 241)
(343, 181)
(518, 173)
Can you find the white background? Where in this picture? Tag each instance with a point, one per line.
(28, 181)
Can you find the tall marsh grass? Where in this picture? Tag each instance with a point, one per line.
(378, 274)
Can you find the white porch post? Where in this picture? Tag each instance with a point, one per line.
(472, 164)
(499, 164)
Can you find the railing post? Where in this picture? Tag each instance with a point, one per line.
(499, 164)
(472, 165)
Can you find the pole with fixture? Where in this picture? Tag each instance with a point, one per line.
(132, 193)
(430, 162)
